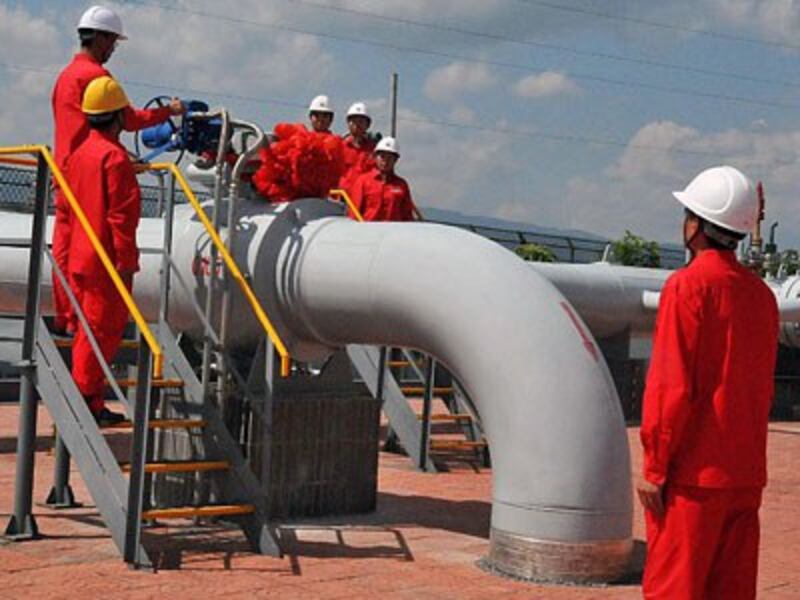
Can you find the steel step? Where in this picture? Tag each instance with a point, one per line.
(454, 417)
(156, 383)
(163, 424)
(64, 342)
(398, 363)
(196, 466)
(419, 390)
(458, 444)
(189, 512)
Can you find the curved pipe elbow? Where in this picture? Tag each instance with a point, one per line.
(546, 400)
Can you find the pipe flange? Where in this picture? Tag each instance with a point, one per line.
(546, 561)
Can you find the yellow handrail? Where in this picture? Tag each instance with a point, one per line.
(230, 263)
(127, 298)
(346, 197)
(24, 162)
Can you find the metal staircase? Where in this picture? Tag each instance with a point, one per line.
(123, 492)
(407, 392)
(122, 503)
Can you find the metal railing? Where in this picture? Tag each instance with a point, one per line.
(230, 263)
(342, 195)
(127, 298)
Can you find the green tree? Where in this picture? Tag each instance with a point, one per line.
(634, 251)
(789, 261)
(535, 253)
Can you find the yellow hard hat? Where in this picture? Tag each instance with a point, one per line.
(103, 95)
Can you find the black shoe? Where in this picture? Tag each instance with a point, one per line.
(65, 334)
(107, 418)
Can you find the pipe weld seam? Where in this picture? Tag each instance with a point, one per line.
(562, 509)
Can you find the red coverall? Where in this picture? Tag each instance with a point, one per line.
(357, 160)
(704, 429)
(71, 129)
(379, 200)
(104, 182)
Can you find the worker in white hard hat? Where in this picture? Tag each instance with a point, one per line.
(320, 113)
(99, 30)
(358, 146)
(706, 404)
(380, 194)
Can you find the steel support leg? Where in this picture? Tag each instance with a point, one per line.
(424, 444)
(61, 495)
(134, 553)
(22, 525)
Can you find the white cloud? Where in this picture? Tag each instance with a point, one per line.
(634, 192)
(34, 46)
(456, 79)
(545, 84)
(774, 18)
(444, 165)
(27, 39)
(215, 54)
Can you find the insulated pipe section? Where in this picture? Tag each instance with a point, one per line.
(610, 298)
(614, 298)
(561, 474)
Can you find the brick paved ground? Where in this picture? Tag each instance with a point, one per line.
(421, 543)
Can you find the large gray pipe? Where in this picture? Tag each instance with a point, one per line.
(562, 505)
(610, 298)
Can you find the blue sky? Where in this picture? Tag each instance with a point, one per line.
(498, 157)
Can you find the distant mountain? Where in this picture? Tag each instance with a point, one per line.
(452, 216)
(671, 253)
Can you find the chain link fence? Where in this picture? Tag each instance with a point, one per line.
(17, 194)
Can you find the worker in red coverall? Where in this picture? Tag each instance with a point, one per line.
(706, 404)
(320, 114)
(379, 194)
(358, 146)
(103, 179)
(99, 30)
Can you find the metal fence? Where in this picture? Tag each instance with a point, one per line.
(17, 192)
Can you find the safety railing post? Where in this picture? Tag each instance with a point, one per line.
(22, 524)
(427, 402)
(166, 271)
(139, 445)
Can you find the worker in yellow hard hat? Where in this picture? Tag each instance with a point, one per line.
(101, 175)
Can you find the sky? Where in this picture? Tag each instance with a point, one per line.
(573, 114)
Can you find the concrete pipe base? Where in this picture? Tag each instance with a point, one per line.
(558, 562)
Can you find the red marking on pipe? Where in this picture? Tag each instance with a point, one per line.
(587, 340)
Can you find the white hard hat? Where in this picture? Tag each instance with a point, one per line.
(388, 144)
(723, 196)
(100, 18)
(358, 109)
(320, 104)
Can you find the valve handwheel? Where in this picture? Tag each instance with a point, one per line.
(160, 102)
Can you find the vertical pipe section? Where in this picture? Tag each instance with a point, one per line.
(22, 524)
(562, 500)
